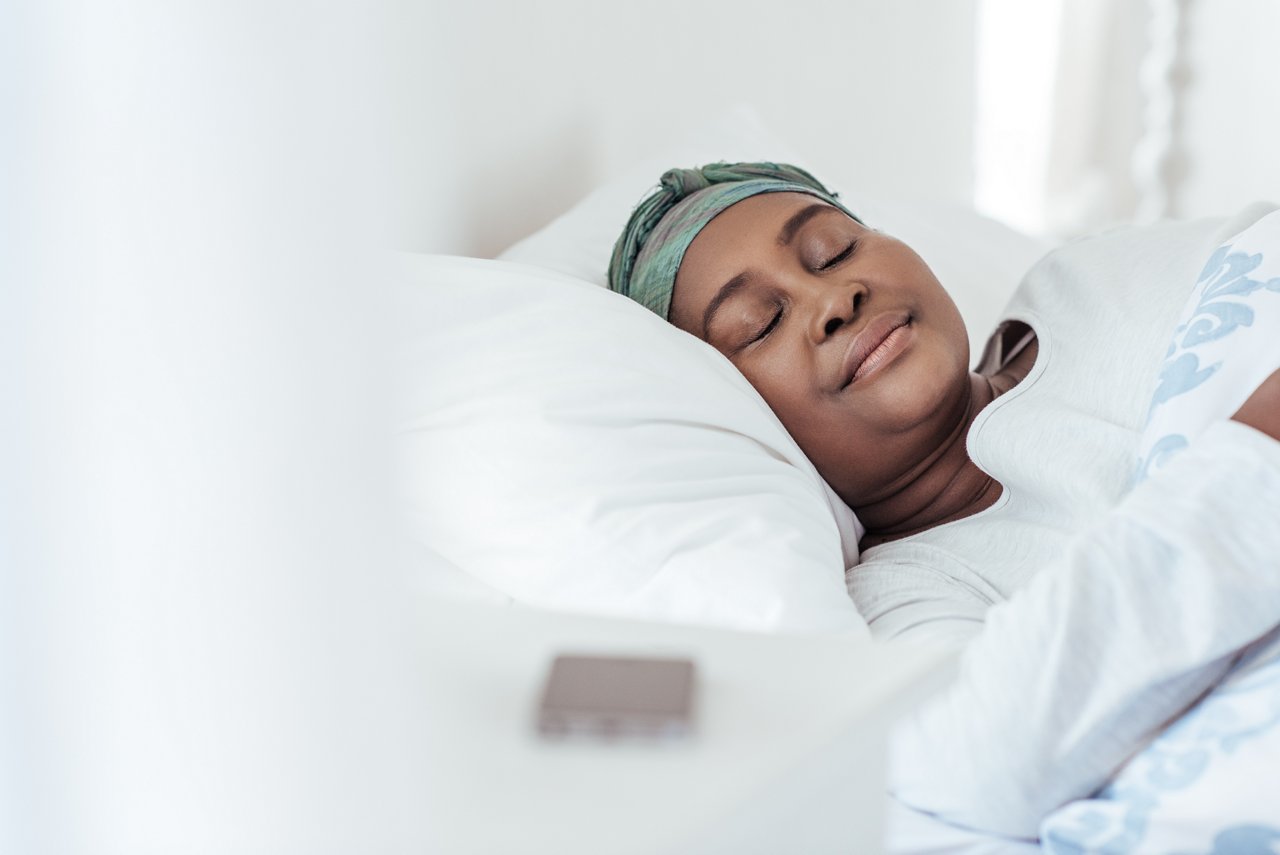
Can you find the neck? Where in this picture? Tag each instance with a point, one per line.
(946, 486)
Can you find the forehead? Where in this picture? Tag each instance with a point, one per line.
(742, 234)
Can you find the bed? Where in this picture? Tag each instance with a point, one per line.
(576, 432)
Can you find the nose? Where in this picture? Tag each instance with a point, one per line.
(835, 306)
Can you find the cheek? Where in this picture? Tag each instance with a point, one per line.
(795, 405)
(821, 429)
(782, 398)
(945, 315)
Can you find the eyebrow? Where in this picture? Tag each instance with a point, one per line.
(737, 283)
(727, 290)
(798, 219)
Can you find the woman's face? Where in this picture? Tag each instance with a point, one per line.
(844, 331)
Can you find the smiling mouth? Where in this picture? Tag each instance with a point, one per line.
(879, 342)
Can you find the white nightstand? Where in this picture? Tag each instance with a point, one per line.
(789, 754)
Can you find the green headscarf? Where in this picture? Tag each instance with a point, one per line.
(651, 247)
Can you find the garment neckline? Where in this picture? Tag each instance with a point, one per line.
(1044, 349)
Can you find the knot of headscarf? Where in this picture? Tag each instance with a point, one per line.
(648, 254)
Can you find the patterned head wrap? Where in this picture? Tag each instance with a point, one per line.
(651, 247)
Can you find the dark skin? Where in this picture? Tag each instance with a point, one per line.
(856, 346)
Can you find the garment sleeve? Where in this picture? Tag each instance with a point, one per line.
(1077, 671)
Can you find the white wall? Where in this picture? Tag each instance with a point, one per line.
(534, 103)
(1231, 119)
(553, 96)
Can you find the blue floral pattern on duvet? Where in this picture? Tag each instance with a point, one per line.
(1221, 309)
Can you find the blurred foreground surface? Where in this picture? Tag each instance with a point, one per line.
(201, 618)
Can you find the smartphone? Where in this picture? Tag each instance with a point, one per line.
(617, 698)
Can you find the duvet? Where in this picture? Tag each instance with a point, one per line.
(1210, 782)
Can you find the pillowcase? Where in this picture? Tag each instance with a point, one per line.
(571, 449)
(978, 260)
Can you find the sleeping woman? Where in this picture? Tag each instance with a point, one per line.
(999, 504)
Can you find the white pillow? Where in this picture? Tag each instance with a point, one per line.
(979, 260)
(574, 451)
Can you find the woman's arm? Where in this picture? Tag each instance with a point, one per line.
(1262, 410)
(1143, 615)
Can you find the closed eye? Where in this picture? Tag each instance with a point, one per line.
(768, 327)
(843, 254)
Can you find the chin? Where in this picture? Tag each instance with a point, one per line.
(933, 388)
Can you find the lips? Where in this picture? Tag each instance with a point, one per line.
(872, 346)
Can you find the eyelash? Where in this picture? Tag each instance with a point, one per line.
(843, 254)
(768, 327)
